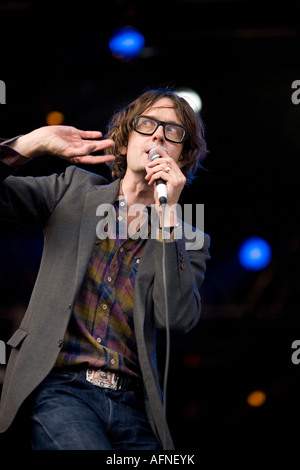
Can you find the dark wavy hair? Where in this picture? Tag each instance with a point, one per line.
(120, 126)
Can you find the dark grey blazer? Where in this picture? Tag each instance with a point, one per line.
(64, 206)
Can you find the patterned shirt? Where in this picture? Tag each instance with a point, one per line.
(101, 331)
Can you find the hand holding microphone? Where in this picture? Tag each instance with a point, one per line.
(165, 173)
(161, 187)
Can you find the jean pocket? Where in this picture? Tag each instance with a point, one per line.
(57, 377)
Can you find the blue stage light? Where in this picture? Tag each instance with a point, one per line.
(255, 254)
(127, 43)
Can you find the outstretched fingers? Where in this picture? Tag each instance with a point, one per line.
(93, 159)
(90, 134)
(84, 148)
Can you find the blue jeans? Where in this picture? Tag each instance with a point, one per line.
(69, 413)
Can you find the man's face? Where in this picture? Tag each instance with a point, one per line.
(139, 145)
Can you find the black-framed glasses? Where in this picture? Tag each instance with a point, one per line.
(147, 125)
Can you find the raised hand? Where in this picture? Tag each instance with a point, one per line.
(67, 142)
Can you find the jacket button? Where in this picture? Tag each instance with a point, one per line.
(60, 343)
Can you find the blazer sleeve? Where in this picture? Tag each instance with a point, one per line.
(31, 200)
(185, 270)
(22, 200)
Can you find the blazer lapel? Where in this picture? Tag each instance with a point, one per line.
(100, 195)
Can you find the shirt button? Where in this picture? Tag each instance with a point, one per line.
(120, 217)
(98, 340)
(109, 279)
(112, 361)
(121, 250)
(104, 306)
(122, 203)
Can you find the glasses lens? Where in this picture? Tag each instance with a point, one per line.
(174, 133)
(145, 125)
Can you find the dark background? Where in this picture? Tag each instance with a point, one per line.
(242, 58)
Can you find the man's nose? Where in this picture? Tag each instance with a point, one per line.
(159, 134)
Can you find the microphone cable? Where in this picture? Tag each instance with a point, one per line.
(167, 359)
(162, 194)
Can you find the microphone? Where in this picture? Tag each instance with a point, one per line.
(161, 187)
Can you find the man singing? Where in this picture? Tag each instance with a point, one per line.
(83, 361)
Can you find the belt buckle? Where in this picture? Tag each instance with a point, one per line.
(102, 378)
